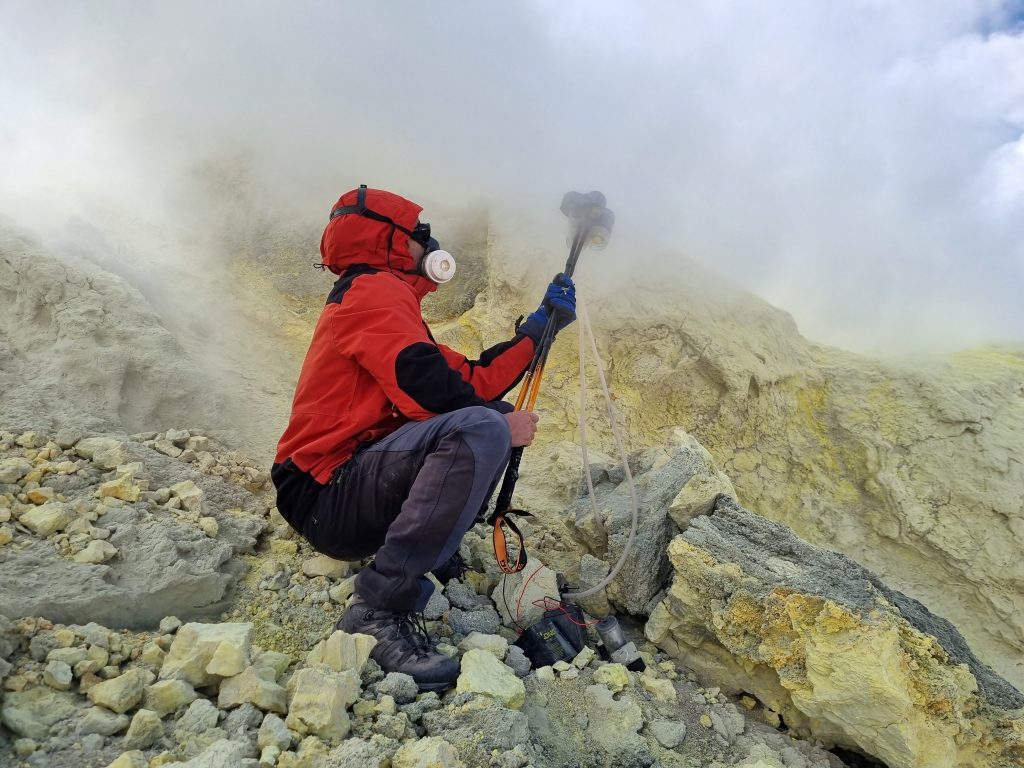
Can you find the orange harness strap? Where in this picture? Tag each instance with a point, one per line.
(500, 521)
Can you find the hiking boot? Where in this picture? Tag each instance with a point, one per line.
(452, 568)
(403, 645)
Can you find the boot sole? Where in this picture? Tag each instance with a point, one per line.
(435, 687)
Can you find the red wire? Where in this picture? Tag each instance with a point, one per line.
(519, 600)
(543, 603)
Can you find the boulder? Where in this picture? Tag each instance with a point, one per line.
(67, 437)
(476, 727)
(102, 721)
(14, 468)
(620, 720)
(399, 686)
(431, 752)
(485, 675)
(200, 717)
(496, 645)
(322, 565)
(97, 551)
(318, 699)
(669, 733)
(190, 495)
(660, 476)
(49, 518)
(30, 713)
(516, 604)
(204, 654)
(808, 631)
(122, 692)
(58, 675)
(274, 733)
(219, 754)
(343, 651)
(255, 685)
(168, 696)
(375, 752)
(145, 730)
(122, 487)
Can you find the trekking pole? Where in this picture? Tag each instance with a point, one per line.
(592, 226)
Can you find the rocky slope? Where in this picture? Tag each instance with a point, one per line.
(81, 347)
(751, 628)
(123, 681)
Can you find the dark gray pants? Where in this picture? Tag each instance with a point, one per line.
(408, 499)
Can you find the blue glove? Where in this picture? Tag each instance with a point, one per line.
(560, 300)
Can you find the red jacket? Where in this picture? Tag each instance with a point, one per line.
(372, 364)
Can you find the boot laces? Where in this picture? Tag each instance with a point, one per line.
(459, 564)
(412, 628)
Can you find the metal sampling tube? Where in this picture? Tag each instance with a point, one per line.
(611, 634)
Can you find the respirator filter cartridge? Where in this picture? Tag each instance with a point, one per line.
(439, 266)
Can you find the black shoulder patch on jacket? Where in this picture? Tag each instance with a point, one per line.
(422, 373)
(343, 283)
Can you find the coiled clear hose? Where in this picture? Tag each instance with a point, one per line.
(585, 329)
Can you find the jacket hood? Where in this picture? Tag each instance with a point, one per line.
(352, 238)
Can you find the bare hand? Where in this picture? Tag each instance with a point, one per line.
(524, 426)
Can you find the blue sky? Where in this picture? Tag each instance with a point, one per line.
(860, 164)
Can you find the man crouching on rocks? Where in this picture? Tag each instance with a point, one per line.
(395, 442)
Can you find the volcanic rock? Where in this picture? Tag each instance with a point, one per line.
(485, 675)
(809, 631)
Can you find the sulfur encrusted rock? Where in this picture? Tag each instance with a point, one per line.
(619, 720)
(31, 712)
(660, 475)
(485, 675)
(145, 730)
(48, 519)
(479, 725)
(317, 701)
(168, 696)
(496, 645)
(659, 688)
(203, 654)
(343, 651)
(95, 552)
(219, 754)
(105, 452)
(122, 487)
(190, 495)
(823, 642)
(133, 759)
(122, 692)
(255, 685)
(322, 565)
(614, 676)
(100, 720)
(431, 752)
(274, 733)
(14, 468)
